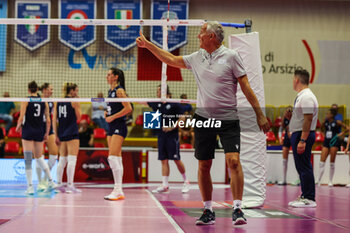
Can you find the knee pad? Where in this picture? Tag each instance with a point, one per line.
(28, 157)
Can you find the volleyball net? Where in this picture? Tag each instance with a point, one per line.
(80, 51)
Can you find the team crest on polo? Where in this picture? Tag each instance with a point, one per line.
(32, 36)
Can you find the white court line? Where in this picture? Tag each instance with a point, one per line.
(171, 220)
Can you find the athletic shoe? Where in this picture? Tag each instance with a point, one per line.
(238, 217)
(42, 186)
(330, 184)
(291, 203)
(161, 189)
(207, 218)
(51, 186)
(30, 190)
(72, 189)
(282, 183)
(186, 187)
(60, 188)
(115, 195)
(348, 185)
(304, 203)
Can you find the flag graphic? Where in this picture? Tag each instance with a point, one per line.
(123, 14)
(32, 29)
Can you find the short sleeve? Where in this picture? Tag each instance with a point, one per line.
(237, 65)
(307, 105)
(190, 59)
(339, 117)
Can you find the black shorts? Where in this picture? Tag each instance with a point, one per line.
(286, 141)
(205, 138)
(69, 138)
(334, 142)
(168, 147)
(31, 134)
(117, 128)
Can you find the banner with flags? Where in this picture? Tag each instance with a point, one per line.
(32, 36)
(77, 37)
(3, 35)
(122, 37)
(177, 36)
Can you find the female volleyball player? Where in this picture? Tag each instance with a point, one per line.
(31, 120)
(330, 146)
(115, 117)
(67, 136)
(47, 91)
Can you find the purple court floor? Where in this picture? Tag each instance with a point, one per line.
(145, 212)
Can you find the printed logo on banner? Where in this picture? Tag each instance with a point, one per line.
(123, 14)
(122, 37)
(77, 37)
(32, 36)
(177, 36)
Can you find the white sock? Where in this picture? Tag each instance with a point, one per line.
(208, 205)
(44, 167)
(62, 162)
(115, 162)
(165, 181)
(72, 161)
(285, 163)
(321, 171)
(331, 172)
(38, 170)
(237, 204)
(184, 176)
(52, 161)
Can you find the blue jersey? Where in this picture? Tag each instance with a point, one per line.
(114, 107)
(171, 110)
(67, 122)
(34, 124)
(331, 129)
(50, 114)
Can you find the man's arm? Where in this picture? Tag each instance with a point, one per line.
(305, 133)
(251, 97)
(161, 54)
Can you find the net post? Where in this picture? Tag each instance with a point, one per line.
(248, 25)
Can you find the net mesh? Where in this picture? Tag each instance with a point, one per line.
(56, 63)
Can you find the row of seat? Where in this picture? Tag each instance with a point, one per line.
(278, 122)
(271, 137)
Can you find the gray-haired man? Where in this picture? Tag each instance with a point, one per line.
(217, 70)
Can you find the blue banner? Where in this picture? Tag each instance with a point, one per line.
(3, 35)
(32, 36)
(122, 37)
(177, 36)
(77, 37)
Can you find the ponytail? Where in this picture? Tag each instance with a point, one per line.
(121, 78)
(44, 86)
(68, 87)
(33, 87)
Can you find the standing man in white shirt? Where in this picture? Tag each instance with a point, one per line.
(302, 128)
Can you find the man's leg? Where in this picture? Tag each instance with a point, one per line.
(204, 181)
(237, 180)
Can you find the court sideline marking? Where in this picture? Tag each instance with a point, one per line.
(171, 220)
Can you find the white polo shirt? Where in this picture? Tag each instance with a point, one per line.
(305, 103)
(216, 75)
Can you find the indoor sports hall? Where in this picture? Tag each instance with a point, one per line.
(174, 116)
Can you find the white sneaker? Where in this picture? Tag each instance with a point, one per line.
(330, 184)
(186, 187)
(42, 186)
(115, 195)
(161, 189)
(60, 188)
(304, 203)
(51, 186)
(348, 185)
(72, 189)
(30, 190)
(291, 203)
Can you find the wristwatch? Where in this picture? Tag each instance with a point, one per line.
(302, 140)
